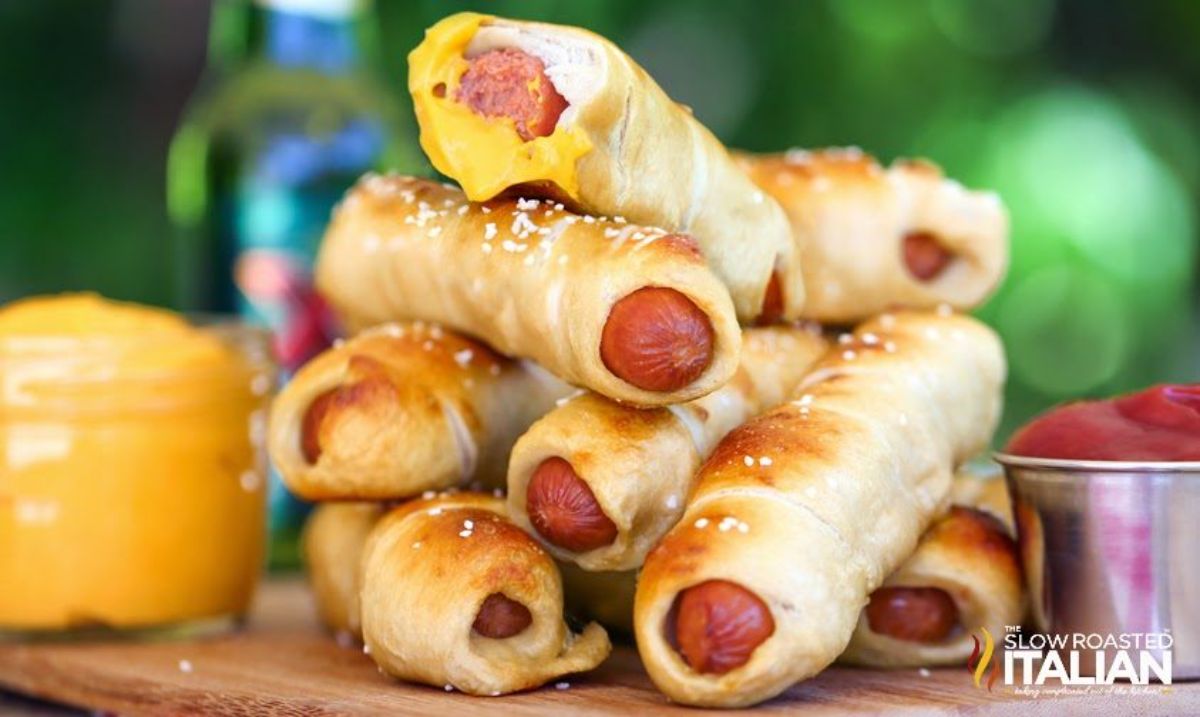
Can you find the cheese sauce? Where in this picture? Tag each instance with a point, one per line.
(485, 154)
(132, 480)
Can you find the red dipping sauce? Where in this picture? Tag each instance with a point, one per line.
(1161, 423)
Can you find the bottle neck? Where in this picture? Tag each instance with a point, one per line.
(327, 36)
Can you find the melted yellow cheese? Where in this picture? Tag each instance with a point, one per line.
(132, 487)
(141, 339)
(484, 154)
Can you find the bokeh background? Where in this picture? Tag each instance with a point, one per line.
(1083, 115)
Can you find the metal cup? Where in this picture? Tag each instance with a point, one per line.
(1111, 547)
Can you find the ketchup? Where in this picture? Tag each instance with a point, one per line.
(1161, 423)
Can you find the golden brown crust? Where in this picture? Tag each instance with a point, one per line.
(333, 541)
(414, 407)
(973, 532)
(640, 464)
(527, 277)
(428, 568)
(649, 159)
(968, 553)
(829, 493)
(850, 217)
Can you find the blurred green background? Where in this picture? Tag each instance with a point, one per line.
(1083, 115)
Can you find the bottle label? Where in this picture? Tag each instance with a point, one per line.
(279, 229)
(334, 9)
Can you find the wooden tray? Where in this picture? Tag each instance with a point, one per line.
(283, 663)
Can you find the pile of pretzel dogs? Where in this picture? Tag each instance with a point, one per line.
(721, 403)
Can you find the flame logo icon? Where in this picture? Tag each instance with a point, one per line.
(977, 664)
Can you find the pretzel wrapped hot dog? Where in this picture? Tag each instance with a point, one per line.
(965, 574)
(453, 594)
(630, 312)
(401, 409)
(762, 581)
(560, 111)
(333, 541)
(872, 238)
(601, 483)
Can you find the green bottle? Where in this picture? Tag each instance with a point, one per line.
(291, 110)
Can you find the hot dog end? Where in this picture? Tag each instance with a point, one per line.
(657, 339)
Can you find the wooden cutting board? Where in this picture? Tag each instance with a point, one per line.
(282, 663)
